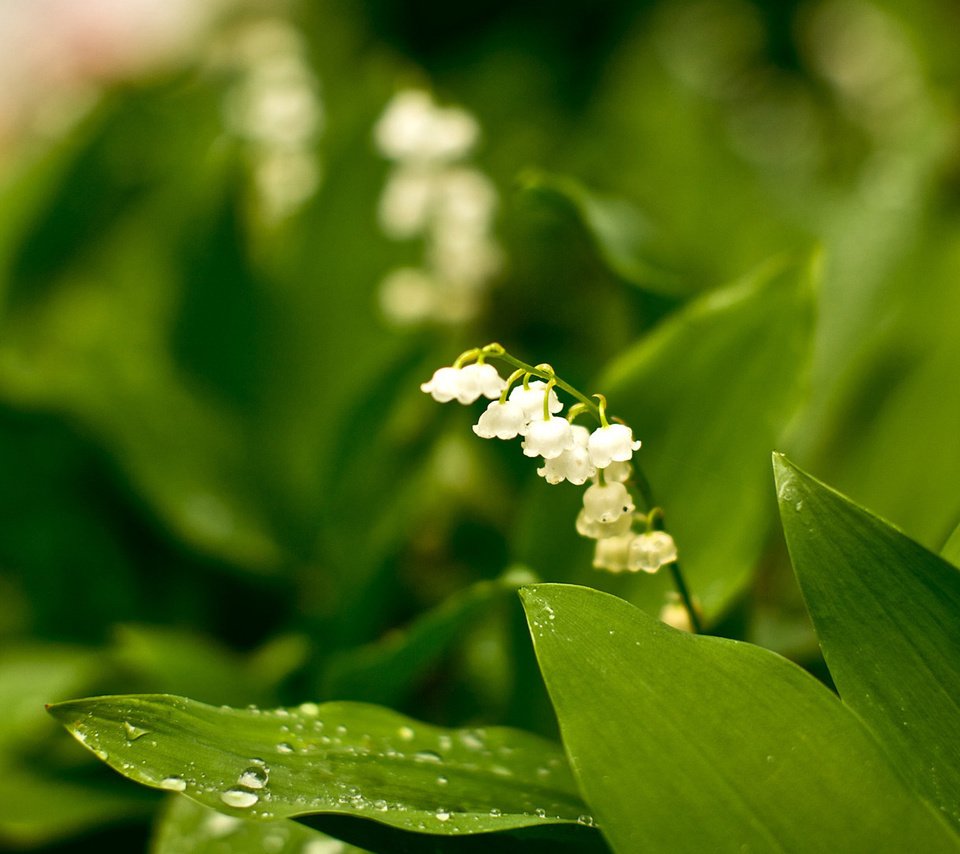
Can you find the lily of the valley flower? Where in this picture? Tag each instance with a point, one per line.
(613, 443)
(607, 502)
(547, 437)
(501, 419)
(464, 384)
(573, 465)
(651, 550)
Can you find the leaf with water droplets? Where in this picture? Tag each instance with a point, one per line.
(186, 827)
(887, 613)
(350, 759)
(689, 743)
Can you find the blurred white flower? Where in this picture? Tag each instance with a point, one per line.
(430, 194)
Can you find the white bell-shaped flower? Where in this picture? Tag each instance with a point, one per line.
(547, 438)
(611, 553)
(444, 385)
(484, 378)
(572, 465)
(587, 526)
(607, 502)
(613, 443)
(465, 384)
(650, 551)
(617, 472)
(531, 399)
(501, 420)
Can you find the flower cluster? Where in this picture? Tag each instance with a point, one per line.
(275, 108)
(432, 194)
(521, 406)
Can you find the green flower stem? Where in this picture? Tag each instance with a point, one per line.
(496, 351)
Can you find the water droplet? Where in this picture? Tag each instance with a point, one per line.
(543, 772)
(471, 740)
(341, 730)
(586, 819)
(284, 747)
(380, 806)
(540, 813)
(239, 798)
(442, 815)
(495, 813)
(133, 732)
(406, 733)
(445, 742)
(442, 781)
(427, 756)
(173, 784)
(254, 777)
(311, 709)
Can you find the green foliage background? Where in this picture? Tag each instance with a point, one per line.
(219, 477)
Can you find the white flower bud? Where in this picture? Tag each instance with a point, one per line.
(531, 399)
(613, 443)
(650, 551)
(547, 438)
(610, 553)
(607, 503)
(617, 472)
(501, 420)
(675, 614)
(587, 526)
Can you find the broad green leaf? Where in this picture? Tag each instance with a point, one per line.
(346, 758)
(709, 392)
(887, 613)
(386, 671)
(624, 238)
(690, 743)
(951, 548)
(186, 827)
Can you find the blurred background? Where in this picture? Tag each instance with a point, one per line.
(235, 237)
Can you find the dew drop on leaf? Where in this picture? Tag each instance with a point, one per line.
(239, 798)
(173, 784)
(254, 777)
(133, 732)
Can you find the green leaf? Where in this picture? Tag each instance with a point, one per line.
(186, 827)
(887, 613)
(624, 238)
(709, 392)
(951, 548)
(346, 758)
(692, 743)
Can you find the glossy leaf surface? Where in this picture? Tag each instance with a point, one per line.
(691, 743)
(887, 612)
